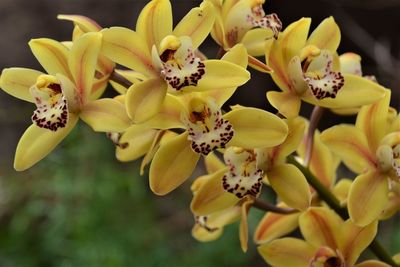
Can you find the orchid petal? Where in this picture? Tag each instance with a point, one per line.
(256, 128)
(341, 190)
(213, 163)
(36, 143)
(197, 24)
(211, 196)
(254, 40)
(52, 55)
(355, 239)
(372, 120)
(129, 49)
(243, 227)
(351, 145)
(287, 103)
(144, 100)
(368, 197)
(134, 142)
(172, 164)
(319, 226)
(220, 74)
(274, 225)
(155, 22)
(106, 115)
(326, 35)
(372, 263)
(169, 115)
(237, 55)
(290, 185)
(17, 81)
(85, 24)
(82, 62)
(287, 252)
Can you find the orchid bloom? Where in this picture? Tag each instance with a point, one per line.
(226, 194)
(168, 57)
(308, 69)
(244, 21)
(61, 96)
(329, 241)
(370, 149)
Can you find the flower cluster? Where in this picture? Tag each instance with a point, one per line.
(169, 111)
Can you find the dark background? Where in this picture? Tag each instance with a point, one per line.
(80, 207)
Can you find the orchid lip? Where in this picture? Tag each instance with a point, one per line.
(52, 108)
(208, 130)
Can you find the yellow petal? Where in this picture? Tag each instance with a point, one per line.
(290, 185)
(82, 62)
(169, 115)
(85, 24)
(129, 49)
(237, 55)
(213, 163)
(368, 197)
(52, 55)
(326, 35)
(273, 226)
(172, 164)
(355, 239)
(220, 74)
(243, 227)
(211, 197)
(155, 22)
(287, 252)
(341, 190)
(294, 38)
(106, 115)
(274, 59)
(356, 92)
(320, 226)
(17, 81)
(135, 142)
(287, 103)
(256, 128)
(36, 143)
(197, 24)
(295, 135)
(254, 40)
(372, 120)
(372, 263)
(216, 221)
(130, 75)
(144, 100)
(351, 145)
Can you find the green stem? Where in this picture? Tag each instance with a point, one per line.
(265, 206)
(334, 203)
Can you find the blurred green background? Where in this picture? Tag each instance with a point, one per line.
(80, 207)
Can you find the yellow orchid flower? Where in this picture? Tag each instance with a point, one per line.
(167, 57)
(369, 149)
(308, 69)
(104, 66)
(329, 241)
(215, 203)
(244, 21)
(61, 96)
(286, 180)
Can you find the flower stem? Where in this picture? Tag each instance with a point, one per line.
(314, 120)
(121, 80)
(334, 203)
(265, 206)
